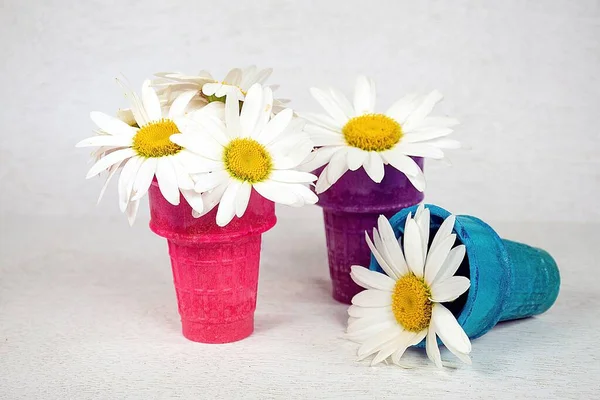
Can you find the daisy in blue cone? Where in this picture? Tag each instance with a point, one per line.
(403, 305)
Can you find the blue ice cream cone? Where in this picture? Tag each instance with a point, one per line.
(509, 280)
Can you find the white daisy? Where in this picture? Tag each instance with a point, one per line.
(355, 135)
(403, 306)
(249, 150)
(236, 83)
(144, 151)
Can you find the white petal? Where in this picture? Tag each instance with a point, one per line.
(111, 172)
(401, 162)
(211, 88)
(402, 108)
(105, 140)
(452, 263)
(404, 340)
(214, 127)
(425, 108)
(413, 248)
(304, 194)
(364, 95)
(324, 121)
(323, 136)
(262, 75)
(374, 167)
(195, 164)
(420, 150)
(371, 331)
(361, 324)
(318, 158)
(444, 231)
(418, 181)
(211, 180)
(342, 102)
(167, 180)
(242, 199)
(180, 104)
(211, 198)
(294, 158)
(422, 136)
(291, 176)
(126, 180)
(437, 256)
(151, 102)
(184, 180)
(330, 106)
(380, 259)
(423, 221)
(137, 108)
(233, 77)
(109, 160)
(372, 298)
(193, 199)
(378, 340)
(144, 178)
(396, 261)
(418, 338)
(448, 329)
(371, 279)
(356, 157)
(286, 145)
(265, 112)
(203, 145)
(232, 117)
(276, 192)
(449, 289)
(131, 211)
(461, 356)
(275, 126)
(387, 350)
(433, 351)
(252, 110)
(226, 210)
(364, 312)
(112, 125)
(337, 167)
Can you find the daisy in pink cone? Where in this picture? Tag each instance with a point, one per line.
(249, 150)
(143, 150)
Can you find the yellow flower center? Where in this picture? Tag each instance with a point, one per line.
(372, 132)
(247, 160)
(153, 140)
(410, 303)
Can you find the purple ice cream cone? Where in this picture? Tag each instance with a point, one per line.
(350, 207)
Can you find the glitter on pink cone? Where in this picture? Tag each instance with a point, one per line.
(215, 269)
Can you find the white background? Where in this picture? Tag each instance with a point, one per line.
(87, 309)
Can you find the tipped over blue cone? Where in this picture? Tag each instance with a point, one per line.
(509, 280)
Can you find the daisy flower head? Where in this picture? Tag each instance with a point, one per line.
(249, 150)
(403, 305)
(354, 135)
(236, 83)
(143, 150)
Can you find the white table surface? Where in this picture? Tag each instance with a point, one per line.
(88, 311)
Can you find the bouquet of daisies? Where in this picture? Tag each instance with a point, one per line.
(213, 156)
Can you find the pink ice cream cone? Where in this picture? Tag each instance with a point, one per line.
(215, 269)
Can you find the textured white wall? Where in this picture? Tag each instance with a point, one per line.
(522, 76)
